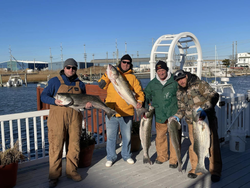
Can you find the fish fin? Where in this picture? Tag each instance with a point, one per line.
(115, 83)
(140, 111)
(146, 160)
(179, 167)
(111, 113)
(77, 109)
(201, 169)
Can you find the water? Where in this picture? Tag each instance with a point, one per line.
(23, 99)
(18, 99)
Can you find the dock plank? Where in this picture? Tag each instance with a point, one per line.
(236, 171)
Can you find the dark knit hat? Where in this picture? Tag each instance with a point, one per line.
(161, 65)
(71, 62)
(126, 57)
(179, 74)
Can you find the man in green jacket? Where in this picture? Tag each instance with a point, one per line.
(162, 92)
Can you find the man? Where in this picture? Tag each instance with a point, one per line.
(64, 123)
(125, 114)
(162, 92)
(193, 93)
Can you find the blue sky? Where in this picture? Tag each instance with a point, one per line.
(32, 27)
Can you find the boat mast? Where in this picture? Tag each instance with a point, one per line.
(10, 59)
(215, 64)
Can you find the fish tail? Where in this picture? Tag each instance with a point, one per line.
(140, 111)
(201, 169)
(179, 167)
(111, 113)
(146, 160)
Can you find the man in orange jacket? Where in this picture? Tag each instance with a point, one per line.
(125, 112)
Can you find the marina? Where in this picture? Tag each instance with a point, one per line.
(29, 127)
(34, 172)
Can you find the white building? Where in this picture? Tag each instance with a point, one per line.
(243, 60)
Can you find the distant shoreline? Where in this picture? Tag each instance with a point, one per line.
(97, 71)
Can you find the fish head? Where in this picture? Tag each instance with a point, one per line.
(65, 98)
(150, 112)
(112, 72)
(195, 115)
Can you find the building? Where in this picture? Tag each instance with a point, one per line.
(23, 65)
(243, 60)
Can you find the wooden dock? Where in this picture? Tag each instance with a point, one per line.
(235, 172)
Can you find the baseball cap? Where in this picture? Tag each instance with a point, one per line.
(179, 74)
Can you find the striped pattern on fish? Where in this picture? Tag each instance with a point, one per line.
(145, 133)
(201, 134)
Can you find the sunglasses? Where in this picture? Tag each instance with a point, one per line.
(73, 68)
(126, 62)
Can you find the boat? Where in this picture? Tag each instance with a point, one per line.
(221, 73)
(85, 79)
(223, 88)
(14, 81)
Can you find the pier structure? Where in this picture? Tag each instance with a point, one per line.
(166, 44)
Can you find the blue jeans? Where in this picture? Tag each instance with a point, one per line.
(112, 125)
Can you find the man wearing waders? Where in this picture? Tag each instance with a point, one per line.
(64, 123)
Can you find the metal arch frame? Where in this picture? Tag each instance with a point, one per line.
(175, 41)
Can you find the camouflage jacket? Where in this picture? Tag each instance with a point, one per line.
(198, 93)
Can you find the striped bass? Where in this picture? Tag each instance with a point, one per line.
(78, 101)
(145, 133)
(201, 135)
(173, 129)
(122, 88)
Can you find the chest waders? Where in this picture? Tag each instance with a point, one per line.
(64, 125)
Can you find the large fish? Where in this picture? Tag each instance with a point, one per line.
(122, 88)
(145, 133)
(78, 101)
(173, 129)
(201, 133)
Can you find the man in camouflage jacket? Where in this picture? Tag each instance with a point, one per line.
(192, 93)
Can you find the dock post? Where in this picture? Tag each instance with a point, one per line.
(38, 94)
(25, 79)
(90, 73)
(1, 83)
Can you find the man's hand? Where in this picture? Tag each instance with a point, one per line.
(88, 105)
(138, 105)
(58, 102)
(173, 117)
(203, 114)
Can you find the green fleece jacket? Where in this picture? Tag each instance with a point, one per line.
(163, 98)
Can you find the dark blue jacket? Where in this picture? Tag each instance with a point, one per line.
(50, 91)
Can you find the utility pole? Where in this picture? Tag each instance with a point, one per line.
(93, 63)
(125, 47)
(50, 58)
(113, 58)
(116, 52)
(233, 53)
(62, 56)
(34, 64)
(10, 58)
(138, 60)
(236, 55)
(107, 58)
(85, 57)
